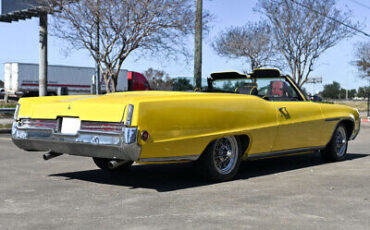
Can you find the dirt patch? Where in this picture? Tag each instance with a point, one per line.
(11, 104)
(5, 126)
(360, 105)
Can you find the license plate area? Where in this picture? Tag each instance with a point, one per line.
(70, 125)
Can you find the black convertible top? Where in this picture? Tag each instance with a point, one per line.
(257, 73)
(268, 73)
(227, 75)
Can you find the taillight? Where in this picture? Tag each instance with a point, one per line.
(39, 123)
(101, 126)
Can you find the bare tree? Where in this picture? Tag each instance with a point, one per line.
(304, 29)
(253, 41)
(363, 59)
(154, 26)
(158, 79)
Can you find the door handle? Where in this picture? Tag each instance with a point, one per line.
(282, 109)
(284, 112)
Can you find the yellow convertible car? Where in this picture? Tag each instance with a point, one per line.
(237, 117)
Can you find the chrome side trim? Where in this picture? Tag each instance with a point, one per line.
(333, 119)
(283, 152)
(178, 158)
(354, 131)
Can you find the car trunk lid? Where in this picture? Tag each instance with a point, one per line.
(90, 108)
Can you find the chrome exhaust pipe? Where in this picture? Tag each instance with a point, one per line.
(114, 163)
(49, 155)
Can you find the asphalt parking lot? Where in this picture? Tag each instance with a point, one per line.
(300, 192)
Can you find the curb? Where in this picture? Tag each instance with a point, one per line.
(5, 131)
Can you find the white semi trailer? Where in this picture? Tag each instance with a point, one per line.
(22, 79)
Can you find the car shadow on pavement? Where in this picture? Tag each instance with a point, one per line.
(171, 177)
(284, 164)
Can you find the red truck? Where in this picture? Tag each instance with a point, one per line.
(137, 81)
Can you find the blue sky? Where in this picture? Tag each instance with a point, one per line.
(19, 43)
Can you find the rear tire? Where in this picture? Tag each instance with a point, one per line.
(220, 161)
(103, 164)
(336, 150)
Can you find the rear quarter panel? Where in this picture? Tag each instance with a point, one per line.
(183, 126)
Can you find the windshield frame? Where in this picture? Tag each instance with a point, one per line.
(288, 79)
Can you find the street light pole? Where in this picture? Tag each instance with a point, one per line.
(97, 64)
(198, 44)
(43, 65)
(368, 99)
(368, 105)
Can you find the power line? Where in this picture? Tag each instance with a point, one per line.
(331, 18)
(360, 4)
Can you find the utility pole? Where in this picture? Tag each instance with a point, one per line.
(368, 105)
(368, 99)
(43, 66)
(97, 66)
(198, 44)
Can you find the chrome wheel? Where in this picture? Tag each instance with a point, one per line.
(225, 154)
(341, 141)
(336, 149)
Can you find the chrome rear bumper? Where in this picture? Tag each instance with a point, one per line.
(110, 145)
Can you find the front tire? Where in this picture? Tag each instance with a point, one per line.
(103, 164)
(221, 159)
(336, 150)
